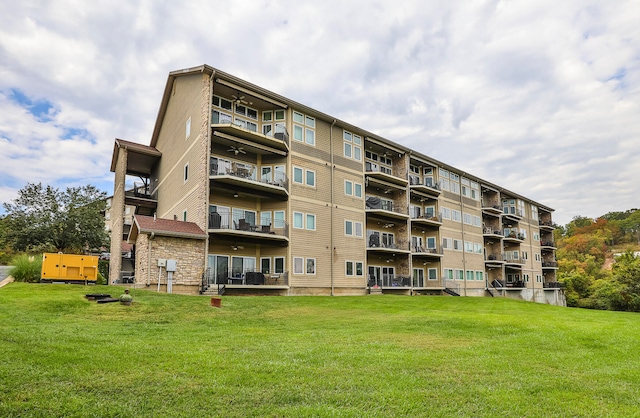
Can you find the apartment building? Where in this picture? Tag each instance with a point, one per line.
(293, 201)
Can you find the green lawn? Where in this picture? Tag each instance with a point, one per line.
(171, 355)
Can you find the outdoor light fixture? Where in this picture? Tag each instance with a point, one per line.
(235, 194)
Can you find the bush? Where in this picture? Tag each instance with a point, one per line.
(101, 280)
(103, 270)
(26, 268)
(125, 297)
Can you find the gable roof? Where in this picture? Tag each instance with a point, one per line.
(164, 227)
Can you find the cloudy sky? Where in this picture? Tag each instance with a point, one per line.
(542, 97)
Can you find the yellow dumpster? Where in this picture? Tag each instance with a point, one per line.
(69, 268)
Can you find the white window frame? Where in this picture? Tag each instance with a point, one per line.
(185, 172)
(313, 265)
(306, 221)
(479, 275)
(306, 178)
(301, 215)
(301, 267)
(447, 243)
(348, 184)
(429, 270)
(457, 244)
(456, 215)
(293, 174)
(346, 268)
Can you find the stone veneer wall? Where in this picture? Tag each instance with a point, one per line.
(189, 254)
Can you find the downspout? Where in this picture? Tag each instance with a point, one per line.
(332, 248)
(151, 237)
(464, 255)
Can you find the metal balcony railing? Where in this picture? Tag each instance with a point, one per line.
(248, 172)
(422, 250)
(245, 277)
(549, 264)
(390, 280)
(230, 222)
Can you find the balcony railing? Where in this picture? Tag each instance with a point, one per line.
(554, 285)
(390, 280)
(547, 244)
(511, 260)
(422, 250)
(385, 242)
(491, 231)
(248, 172)
(424, 282)
(494, 257)
(545, 223)
(246, 277)
(227, 221)
(279, 130)
(428, 182)
(550, 264)
(426, 217)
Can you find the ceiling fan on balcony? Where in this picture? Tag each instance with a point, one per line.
(236, 149)
(239, 99)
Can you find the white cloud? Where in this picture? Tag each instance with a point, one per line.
(541, 97)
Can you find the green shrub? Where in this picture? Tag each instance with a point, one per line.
(125, 297)
(100, 280)
(103, 269)
(26, 268)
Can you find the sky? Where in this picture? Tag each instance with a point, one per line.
(541, 97)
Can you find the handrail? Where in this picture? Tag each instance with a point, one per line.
(248, 172)
(228, 221)
(247, 277)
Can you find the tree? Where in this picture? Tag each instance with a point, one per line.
(45, 218)
(626, 272)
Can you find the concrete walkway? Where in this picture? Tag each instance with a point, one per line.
(6, 281)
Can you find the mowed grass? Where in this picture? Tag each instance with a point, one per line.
(171, 355)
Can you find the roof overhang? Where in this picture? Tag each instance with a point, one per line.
(140, 158)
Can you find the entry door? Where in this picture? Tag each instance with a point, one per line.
(418, 277)
(374, 276)
(388, 274)
(218, 269)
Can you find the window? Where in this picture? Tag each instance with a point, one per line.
(278, 263)
(538, 257)
(188, 128)
(447, 243)
(432, 274)
(358, 190)
(526, 278)
(352, 228)
(311, 222)
(477, 221)
(479, 276)
(468, 247)
(354, 268)
(349, 268)
(446, 213)
(525, 255)
(470, 275)
(268, 127)
(304, 128)
(298, 263)
(186, 172)
(456, 215)
(457, 245)
(536, 236)
(448, 274)
(311, 266)
(348, 228)
(444, 179)
(459, 275)
(477, 248)
(466, 218)
(348, 188)
(184, 216)
(298, 220)
(352, 145)
(538, 278)
(308, 176)
(454, 184)
(311, 178)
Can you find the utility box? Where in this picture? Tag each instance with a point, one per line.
(162, 262)
(69, 268)
(171, 265)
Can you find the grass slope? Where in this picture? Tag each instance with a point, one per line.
(171, 355)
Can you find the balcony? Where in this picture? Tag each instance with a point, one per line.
(224, 224)
(386, 174)
(245, 277)
(553, 285)
(512, 214)
(426, 252)
(384, 208)
(426, 283)
(495, 260)
(390, 281)
(491, 208)
(513, 262)
(547, 245)
(243, 177)
(490, 232)
(513, 236)
(427, 186)
(547, 225)
(141, 197)
(426, 219)
(225, 130)
(384, 243)
(550, 265)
